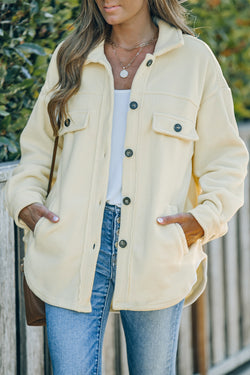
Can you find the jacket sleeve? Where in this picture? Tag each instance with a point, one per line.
(220, 157)
(29, 180)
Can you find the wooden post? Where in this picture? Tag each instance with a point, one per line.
(8, 362)
(199, 335)
(185, 351)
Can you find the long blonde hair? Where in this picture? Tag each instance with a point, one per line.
(91, 29)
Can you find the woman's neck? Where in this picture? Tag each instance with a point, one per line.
(133, 32)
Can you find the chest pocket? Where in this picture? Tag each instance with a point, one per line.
(174, 126)
(75, 122)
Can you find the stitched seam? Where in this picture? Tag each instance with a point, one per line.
(115, 237)
(100, 330)
(173, 341)
(106, 299)
(214, 93)
(184, 98)
(86, 237)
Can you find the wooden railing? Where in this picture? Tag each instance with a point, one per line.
(215, 331)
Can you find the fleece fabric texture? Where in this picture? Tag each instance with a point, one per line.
(187, 156)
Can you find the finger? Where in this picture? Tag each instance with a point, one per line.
(171, 219)
(51, 216)
(175, 219)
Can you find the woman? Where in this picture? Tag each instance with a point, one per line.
(150, 167)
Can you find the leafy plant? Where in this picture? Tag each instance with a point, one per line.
(31, 29)
(225, 25)
(29, 32)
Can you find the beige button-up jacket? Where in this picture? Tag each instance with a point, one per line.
(187, 157)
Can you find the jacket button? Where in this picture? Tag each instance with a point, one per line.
(177, 127)
(126, 200)
(149, 62)
(67, 122)
(129, 152)
(123, 243)
(133, 105)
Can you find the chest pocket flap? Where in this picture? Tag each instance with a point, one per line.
(75, 122)
(174, 126)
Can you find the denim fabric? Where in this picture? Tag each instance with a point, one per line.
(75, 339)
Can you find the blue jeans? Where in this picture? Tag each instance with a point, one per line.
(75, 339)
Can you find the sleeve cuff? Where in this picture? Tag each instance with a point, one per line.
(26, 201)
(209, 221)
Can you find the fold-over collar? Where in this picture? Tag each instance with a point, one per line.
(97, 54)
(169, 38)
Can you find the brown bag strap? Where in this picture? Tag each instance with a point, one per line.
(52, 164)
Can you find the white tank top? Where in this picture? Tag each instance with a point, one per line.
(121, 105)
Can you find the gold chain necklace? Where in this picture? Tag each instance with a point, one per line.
(124, 72)
(138, 45)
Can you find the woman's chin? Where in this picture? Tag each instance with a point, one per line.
(113, 20)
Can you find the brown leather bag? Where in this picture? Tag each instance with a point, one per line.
(34, 306)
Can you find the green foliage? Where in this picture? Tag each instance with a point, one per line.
(29, 32)
(31, 29)
(225, 26)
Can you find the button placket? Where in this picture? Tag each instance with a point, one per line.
(126, 200)
(149, 62)
(67, 122)
(113, 260)
(129, 152)
(133, 105)
(131, 135)
(122, 243)
(117, 229)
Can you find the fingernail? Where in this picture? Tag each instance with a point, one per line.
(55, 218)
(160, 220)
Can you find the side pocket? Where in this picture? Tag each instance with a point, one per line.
(172, 210)
(183, 239)
(38, 224)
(77, 121)
(176, 127)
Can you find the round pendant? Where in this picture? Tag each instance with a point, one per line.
(123, 73)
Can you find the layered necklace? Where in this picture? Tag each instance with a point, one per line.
(124, 72)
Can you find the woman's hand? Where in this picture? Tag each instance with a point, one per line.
(32, 213)
(192, 229)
